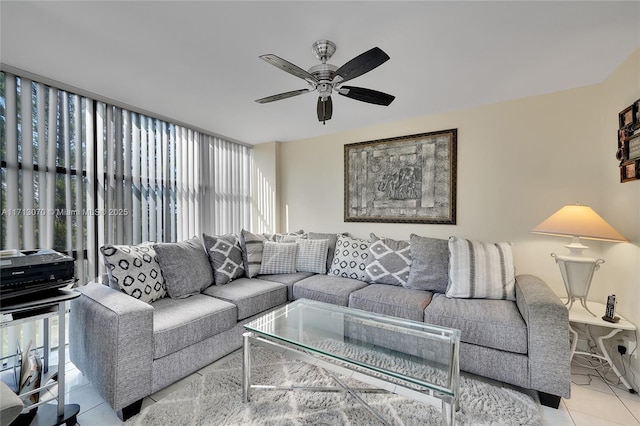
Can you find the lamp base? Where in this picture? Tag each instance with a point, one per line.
(577, 272)
(583, 302)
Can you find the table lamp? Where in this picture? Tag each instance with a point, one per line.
(578, 221)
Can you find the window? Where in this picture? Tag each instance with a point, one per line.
(78, 172)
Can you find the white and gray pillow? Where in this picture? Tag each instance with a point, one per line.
(278, 258)
(312, 255)
(185, 266)
(350, 259)
(481, 270)
(429, 264)
(389, 261)
(134, 270)
(225, 256)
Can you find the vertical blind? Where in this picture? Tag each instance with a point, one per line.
(77, 173)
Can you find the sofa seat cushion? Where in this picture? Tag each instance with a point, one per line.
(327, 288)
(251, 296)
(391, 300)
(494, 324)
(179, 323)
(287, 279)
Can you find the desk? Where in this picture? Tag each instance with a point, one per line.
(43, 307)
(579, 315)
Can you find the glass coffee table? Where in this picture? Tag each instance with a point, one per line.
(395, 355)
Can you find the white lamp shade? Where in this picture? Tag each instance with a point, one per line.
(578, 221)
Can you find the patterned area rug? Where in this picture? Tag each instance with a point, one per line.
(216, 399)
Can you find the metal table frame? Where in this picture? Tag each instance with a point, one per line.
(43, 308)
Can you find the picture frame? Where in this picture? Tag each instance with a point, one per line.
(630, 171)
(626, 117)
(632, 147)
(406, 179)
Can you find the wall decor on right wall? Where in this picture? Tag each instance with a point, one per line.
(628, 153)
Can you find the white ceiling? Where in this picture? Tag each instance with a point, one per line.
(197, 62)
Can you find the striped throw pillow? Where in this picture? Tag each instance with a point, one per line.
(481, 270)
(251, 252)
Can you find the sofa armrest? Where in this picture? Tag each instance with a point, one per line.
(547, 322)
(111, 342)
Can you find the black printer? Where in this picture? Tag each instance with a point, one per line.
(23, 272)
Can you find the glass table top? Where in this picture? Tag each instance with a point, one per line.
(407, 352)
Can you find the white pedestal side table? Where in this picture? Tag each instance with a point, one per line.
(579, 315)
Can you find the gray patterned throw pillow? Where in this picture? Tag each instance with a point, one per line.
(389, 261)
(312, 256)
(350, 259)
(135, 270)
(225, 256)
(278, 258)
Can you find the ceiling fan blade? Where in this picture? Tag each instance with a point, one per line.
(287, 66)
(366, 95)
(361, 64)
(282, 96)
(325, 109)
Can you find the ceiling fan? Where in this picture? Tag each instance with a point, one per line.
(327, 78)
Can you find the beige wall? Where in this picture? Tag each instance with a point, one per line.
(518, 162)
(620, 202)
(264, 184)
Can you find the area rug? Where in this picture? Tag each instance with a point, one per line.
(216, 399)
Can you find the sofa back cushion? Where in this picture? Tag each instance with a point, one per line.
(225, 256)
(287, 237)
(429, 264)
(350, 259)
(134, 270)
(481, 270)
(389, 261)
(185, 266)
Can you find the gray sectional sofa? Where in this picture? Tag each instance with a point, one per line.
(129, 347)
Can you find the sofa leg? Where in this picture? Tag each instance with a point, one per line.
(130, 410)
(549, 400)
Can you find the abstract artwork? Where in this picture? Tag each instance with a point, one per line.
(408, 179)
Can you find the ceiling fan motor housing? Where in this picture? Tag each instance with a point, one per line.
(323, 49)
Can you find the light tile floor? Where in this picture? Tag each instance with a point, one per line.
(595, 399)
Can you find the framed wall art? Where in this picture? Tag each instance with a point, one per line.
(407, 179)
(628, 153)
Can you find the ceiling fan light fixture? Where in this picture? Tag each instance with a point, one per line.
(324, 89)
